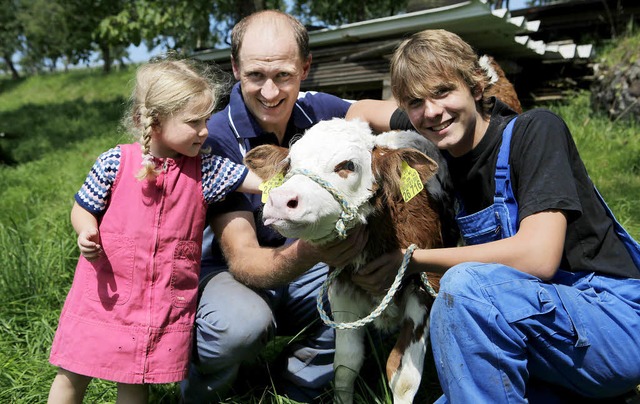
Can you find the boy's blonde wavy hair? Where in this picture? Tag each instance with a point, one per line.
(165, 86)
(432, 59)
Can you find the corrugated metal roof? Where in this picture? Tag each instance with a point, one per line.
(352, 60)
(571, 19)
(490, 31)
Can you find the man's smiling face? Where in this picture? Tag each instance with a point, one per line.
(270, 70)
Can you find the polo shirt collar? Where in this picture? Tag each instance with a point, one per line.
(244, 124)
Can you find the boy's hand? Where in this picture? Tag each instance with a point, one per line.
(89, 243)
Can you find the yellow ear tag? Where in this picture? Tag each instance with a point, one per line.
(411, 184)
(268, 185)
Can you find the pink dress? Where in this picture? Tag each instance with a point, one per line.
(129, 315)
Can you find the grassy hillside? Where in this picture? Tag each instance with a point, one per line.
(55, 126)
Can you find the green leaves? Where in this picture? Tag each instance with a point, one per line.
(337, 12)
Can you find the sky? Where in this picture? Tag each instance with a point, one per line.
(141, 54)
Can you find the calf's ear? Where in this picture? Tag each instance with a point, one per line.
(423, 164)
(387, 168)
(267, 160)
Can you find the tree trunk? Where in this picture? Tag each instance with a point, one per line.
(245, 7)
(14, 73)
(52, 65)
(106, 56)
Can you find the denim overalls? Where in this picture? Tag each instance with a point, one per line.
(499, 220)
(500, 335)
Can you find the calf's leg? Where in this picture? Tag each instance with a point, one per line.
(406, 362)
(349, 354)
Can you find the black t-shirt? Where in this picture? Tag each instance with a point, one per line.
(547, 174)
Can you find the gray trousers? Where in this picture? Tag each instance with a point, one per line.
(234, 324)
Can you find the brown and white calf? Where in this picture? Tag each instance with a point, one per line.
(364, 173)
(499, 85)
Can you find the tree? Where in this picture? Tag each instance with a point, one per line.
(10, 35)
(227, 13)
(71, 30)
(173, 24)
(178, 25)
(62, 30)
(336, 12)
(109, 38)
(45, 30)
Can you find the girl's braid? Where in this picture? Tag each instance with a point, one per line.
(147, 119)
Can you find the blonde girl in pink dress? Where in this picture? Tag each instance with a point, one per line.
(139, 217)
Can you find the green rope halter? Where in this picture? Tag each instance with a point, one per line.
(349, 213)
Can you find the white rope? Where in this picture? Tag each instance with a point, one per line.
(378, 310)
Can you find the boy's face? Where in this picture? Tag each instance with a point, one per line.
(449, 117)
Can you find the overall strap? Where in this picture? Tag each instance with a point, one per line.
(629, 242)
(504, 192)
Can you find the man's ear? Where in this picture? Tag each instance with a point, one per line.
(306, 67)
(236, 69)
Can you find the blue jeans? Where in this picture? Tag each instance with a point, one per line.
(493, 328)
(234, 324)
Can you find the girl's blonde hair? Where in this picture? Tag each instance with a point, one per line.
(165, 86)
(431, 60)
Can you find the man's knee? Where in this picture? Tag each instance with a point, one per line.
(226, 334)
(470, 278)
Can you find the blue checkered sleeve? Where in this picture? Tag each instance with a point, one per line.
(94, 193)
(220, 176)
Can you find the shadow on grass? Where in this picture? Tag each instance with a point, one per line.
(260, 381)
(8, 84)
(34, 130)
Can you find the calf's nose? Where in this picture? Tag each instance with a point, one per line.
(282, 199)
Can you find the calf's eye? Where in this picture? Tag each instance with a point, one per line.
(344, 168)
(346, 165)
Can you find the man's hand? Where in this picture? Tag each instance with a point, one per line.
(338, 253)
(89, 243)
(377, 276)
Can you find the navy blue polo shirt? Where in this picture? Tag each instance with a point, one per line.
(234, 131)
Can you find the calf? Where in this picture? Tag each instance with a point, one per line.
(336, 176)
(499, 85)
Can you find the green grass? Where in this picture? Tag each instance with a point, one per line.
(611, 152)
(57, 124)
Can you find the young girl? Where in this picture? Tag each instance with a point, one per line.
(543, 302)
(139, 218)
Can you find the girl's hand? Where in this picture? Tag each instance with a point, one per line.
(89, 244)
(377, 276)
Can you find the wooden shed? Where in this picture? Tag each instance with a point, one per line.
(352, 60)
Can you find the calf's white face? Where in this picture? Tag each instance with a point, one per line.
(338, 153)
